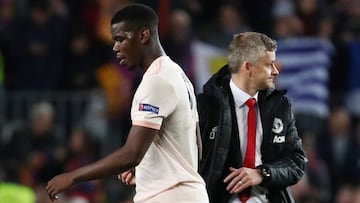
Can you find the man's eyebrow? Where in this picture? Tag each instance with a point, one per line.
(128, 34)
(124, 35)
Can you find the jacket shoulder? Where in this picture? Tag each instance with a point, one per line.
(206, 99)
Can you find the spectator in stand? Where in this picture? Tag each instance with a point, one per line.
(258, 14)
(230, 20)
(198, 59)
(81, 65)
(317, 173)
(334, 146)
(39, 153)
(352, 42)
(35, 151)
(37, 47)
(311, 14)
(178, 43)
(304, 63)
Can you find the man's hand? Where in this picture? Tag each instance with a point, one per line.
(242, 178)
(128, 156)
(59, 184)
(128, 177)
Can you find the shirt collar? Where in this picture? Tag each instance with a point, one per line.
(240, 96)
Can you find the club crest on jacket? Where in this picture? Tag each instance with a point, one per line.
(278, 126)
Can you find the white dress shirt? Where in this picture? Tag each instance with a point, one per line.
(240, 97)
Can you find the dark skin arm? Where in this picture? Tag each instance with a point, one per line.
(127, 157)
(128, 177)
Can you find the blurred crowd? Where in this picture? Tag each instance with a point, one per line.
(62, 46)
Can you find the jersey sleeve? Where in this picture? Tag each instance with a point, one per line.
(154, 100)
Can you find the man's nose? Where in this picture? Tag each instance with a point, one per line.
(116, 46)
(275, 70)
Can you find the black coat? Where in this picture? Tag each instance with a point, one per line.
(281, 148)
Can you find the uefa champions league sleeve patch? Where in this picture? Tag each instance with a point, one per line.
(149, 108)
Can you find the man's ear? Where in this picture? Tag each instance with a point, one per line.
(246, 65)
(144, 35)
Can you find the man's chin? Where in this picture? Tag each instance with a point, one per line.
(271, 86)
(268, 86)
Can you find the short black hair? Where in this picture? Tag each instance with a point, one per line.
(138, 15)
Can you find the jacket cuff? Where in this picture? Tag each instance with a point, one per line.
(265, 173)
